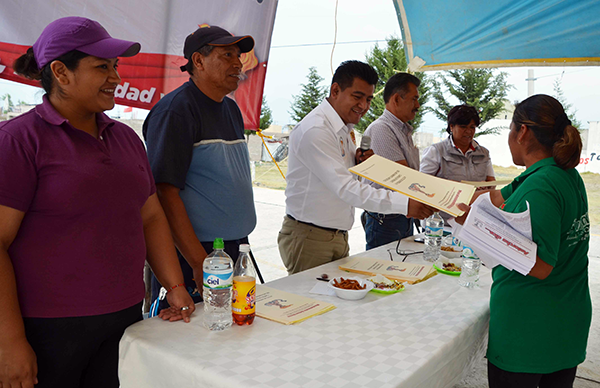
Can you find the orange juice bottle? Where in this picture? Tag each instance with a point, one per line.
(243, 306)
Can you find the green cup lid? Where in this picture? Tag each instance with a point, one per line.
(218, 244)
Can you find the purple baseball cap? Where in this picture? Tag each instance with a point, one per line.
(82, 34)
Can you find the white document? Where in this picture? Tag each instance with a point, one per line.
(498, 237)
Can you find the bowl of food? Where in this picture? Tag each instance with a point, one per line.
(451, 251)
(448, 266)
(350, 288)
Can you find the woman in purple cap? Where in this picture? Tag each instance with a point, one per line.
(79, 217)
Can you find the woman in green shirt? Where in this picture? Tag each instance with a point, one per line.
(539, 323)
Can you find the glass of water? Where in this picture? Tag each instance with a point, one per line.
(469, 275)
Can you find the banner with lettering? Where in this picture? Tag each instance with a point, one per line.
(161, 27)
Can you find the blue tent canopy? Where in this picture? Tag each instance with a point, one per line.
(454, 34)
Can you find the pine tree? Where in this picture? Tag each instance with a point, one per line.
(312, 95)
(480, 88)
(266, 119)
(388, 61)
(266, 116)
(571, 113)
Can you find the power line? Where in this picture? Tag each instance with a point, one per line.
(562, 73)
(328, 44)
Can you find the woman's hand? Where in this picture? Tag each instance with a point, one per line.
(466, 208)
(18, 364)
(182, 306)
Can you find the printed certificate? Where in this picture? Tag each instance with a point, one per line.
(437, 192)
(286, 308)
(404, 272)
(499, 237)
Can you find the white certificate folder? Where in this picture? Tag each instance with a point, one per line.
(437, 192)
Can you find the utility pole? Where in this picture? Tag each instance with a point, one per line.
(530, 80)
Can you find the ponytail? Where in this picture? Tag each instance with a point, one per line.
(27, 67)
(567, 150)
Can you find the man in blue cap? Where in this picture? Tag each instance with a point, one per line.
(199, 156)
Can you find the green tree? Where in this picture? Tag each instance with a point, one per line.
(266, 116)
(571, 113)
(311, 96)
(266, 119)
(388, 61)
(482, 88)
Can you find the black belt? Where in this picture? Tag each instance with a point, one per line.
(317, 226)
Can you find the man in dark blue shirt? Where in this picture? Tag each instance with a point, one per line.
(199, 156)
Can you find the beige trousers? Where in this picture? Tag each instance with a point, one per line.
(303, 246)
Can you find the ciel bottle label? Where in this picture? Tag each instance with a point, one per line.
(220, 281)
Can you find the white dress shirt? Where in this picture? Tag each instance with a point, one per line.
(320, 189)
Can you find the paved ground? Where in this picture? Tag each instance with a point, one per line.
(270, 208)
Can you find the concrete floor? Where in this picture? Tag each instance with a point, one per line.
(270, 209)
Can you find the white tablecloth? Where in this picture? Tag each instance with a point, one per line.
(426, 336)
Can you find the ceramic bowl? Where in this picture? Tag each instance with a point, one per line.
(351, 294)
(455, 254)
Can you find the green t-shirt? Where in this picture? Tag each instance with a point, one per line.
(542, 326)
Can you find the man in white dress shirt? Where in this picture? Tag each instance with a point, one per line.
(321, 193)
(391, 137)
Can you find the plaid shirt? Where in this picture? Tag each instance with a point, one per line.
(392, 139)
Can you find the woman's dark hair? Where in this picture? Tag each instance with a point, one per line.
(546, 118)
(26, 66)
(462, 115)
(348, 70)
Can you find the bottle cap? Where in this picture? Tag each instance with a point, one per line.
(245, 248)
(218, 244)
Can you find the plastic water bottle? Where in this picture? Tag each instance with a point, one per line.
(469, 274)
(218, 274)
(434, 230)
(243, 303)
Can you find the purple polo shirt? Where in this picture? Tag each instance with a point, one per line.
(80, 248)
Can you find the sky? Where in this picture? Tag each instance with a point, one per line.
(306, 24)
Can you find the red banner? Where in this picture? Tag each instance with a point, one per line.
(155, 72)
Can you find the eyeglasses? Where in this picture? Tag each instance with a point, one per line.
(402, 252)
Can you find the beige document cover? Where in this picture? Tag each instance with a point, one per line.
(286, 308)
(488, 183)
(405, 272)
(437, 192)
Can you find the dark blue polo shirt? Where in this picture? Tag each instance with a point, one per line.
(198, 145)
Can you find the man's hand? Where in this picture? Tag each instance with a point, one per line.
(361, 155)
(182, 306)
(18, 364)
(419, 210)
